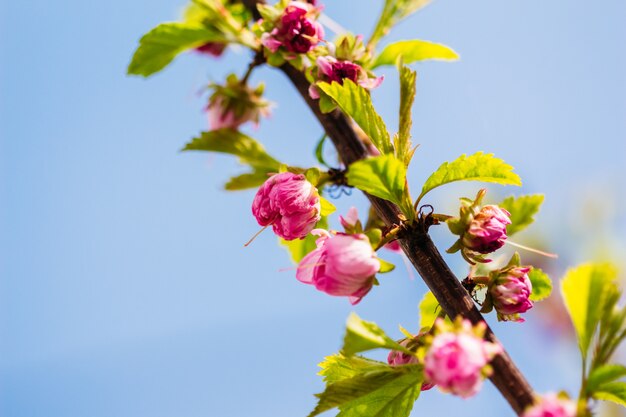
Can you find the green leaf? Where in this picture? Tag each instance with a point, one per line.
(328, 208)
(407, 96)
(393, 12)
(248, 180)
(319, 151)
(364, 335)
(542, 285)
(429, 310)
(356, 102)
(603, 375)
(385, 266)
(586, 290)
(338, 367)
(614, 392)
(477, 167)
(386, 393)
(414, 51)
(160, 46)
(230, 141)
(383, 176)
(523, 210)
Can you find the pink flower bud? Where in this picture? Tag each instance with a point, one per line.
(289, 203)
(397, 358)
(486, 232)
(296, 31)
(510, 292)
(394, 246)
(330, 69)
(215, 49)
(551, 405)
(234, 104)
(342, 265)
(351, 219)
(457, 361)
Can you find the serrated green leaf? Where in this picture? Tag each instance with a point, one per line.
(614, 392)
(429, 310)
(245, 181)
(363, 335)
(586, 290)
(160, 46)
(542, 285)
(386, 393)
(393, 12)
(232, 142)
(603, 375)
(385, 266)
(414, 51)
(383, 176)
(338, 367)
(356, 102)
(407, 96)
(477, 167)
(523, 210)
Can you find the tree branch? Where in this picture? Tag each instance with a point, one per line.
(418, 247)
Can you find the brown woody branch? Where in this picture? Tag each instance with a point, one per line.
(417, 246)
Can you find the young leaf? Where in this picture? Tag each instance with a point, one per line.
(393, 12)
(407, 96)
(160, 46)
(414, 51)
(328, 208)
(542, 285)
(385, 266)
(382, 176)
(523, 210)
(230, 141)
(364, 335)
(386, 393)
(603, 375)
(356, 102)
(586, 290)
(429, 310)
(477, 167)
(248, 180)
(338, 367)
(614, 392)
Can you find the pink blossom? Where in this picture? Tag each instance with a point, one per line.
(330, 69)
(289, 203)
(397, 358)
(351, 219)
(215, 49)
(487, 231)
(457, 361)
(234, 104)
(551, 405)
(342, 265)
(394, 246)
(510, 293)
(296, 31)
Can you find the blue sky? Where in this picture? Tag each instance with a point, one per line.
(124, 286)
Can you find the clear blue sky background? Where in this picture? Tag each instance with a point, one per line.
(124, 287)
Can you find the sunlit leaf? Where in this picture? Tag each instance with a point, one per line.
(248, 180)
(542, 285)
(355, 102)
(382, 176)
(477, 167)
(429, 310)
(232, 142)
(523, 210)
(603, 375)
(393, 12)
(407, 96)
(363, 335)
(614, 392)
(414, 51)
(338, 367)
(586, 290)
(160, 46)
